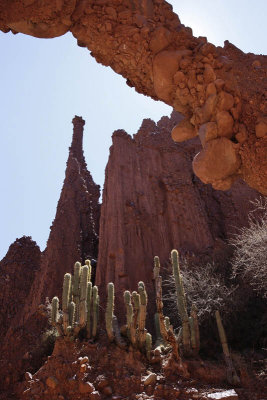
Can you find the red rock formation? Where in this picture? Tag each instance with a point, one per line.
(74, 232)
(73, 236)
(144, 41)
(17, 271)
(152, 203)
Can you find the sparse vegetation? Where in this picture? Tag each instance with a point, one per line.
(250, 250)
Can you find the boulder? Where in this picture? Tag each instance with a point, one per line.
(216, 161)
(225, 124)
(207, 132)
(183, 131)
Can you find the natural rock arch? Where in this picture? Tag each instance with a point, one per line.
(219, 90)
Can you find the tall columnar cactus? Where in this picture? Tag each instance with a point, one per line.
(194, 327)
(76, 288)
(156, 270)
(232, 376)
(181, 301)
(89, 311)
(71, 313)
(142, 314)
(54, 312)
(83, 296)
(136, 308)
(88, 263)
(166, 334)
(95, 310)
(159, 340)
(110, 311)
(129, 316)
(148, 345)
(65, 300)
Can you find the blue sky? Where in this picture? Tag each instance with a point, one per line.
(45, 82)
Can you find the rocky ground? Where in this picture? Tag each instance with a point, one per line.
(101, 370)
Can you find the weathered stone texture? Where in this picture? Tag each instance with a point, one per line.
(153, 202)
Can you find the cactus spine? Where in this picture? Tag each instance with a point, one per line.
(95, 310)
(65, 301)
(54, 312)
(181, 301)
(109, 311)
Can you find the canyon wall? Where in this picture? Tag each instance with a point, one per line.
(221, 91)
(153, 202)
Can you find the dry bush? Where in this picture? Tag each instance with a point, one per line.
(249, 261)
(204, 287)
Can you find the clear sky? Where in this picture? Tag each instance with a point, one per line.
(45, 82)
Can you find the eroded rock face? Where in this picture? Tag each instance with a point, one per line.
(153, 202)
(17, 271)
(73, 236)
(144, 41)
(74, 232)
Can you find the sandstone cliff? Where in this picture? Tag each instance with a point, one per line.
(153, 202)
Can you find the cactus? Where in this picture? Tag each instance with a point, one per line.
(83, 296)
(95, 310)
(148, 345)
(54, 312)
(65, 301)
(167, 335)
(88, 263)
(89, 301)
(159, 340)
(71, 313)
(181, 301)
(222, 334)
(76, 288)
(195, 342)
(142, 314)
(110, 311)
(131, 332)
(232, 376)
(156, 269)
(136, 306)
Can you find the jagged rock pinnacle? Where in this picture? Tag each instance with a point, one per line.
(77, 139)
